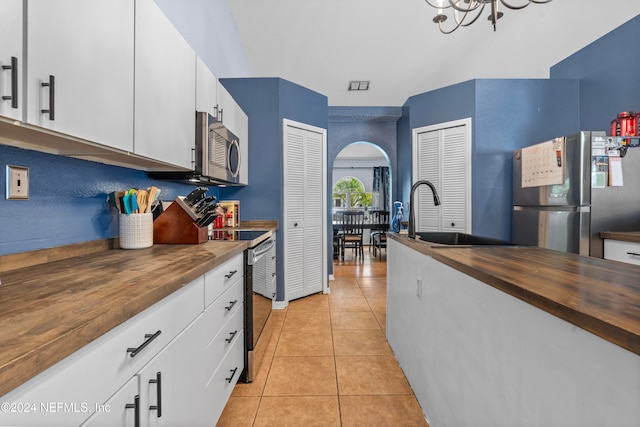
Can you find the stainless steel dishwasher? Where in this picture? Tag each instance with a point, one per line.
(260, 289)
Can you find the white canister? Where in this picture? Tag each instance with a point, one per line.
(136, 231)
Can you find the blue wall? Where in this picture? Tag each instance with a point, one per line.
(506, 114)
(608, 73)
(376, 125)
(511, 114)
(267, 101)
(67, 200)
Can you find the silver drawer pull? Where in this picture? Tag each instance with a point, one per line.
(231, 304)
(233, 334)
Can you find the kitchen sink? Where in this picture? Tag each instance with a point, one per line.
(458, 239)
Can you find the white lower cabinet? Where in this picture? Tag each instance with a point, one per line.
(623, 251)
(173, 364)
(122, 409)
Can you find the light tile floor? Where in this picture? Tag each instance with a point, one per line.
(327, 362)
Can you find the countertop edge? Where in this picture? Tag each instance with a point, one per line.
(594, 324)
(625, 236)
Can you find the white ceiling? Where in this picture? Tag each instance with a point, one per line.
(323, 44)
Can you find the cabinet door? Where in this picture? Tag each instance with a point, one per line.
(304, 210)
(11, 47)
(120, 410)
(172, 384)
(206, 88)
(165, 81)
(87, 47)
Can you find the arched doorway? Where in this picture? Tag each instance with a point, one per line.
(361, 180)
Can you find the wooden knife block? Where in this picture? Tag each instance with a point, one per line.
(175, 226)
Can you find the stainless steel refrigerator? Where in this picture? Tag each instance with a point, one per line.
(570, 214)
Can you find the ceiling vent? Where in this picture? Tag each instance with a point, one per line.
(359, 85)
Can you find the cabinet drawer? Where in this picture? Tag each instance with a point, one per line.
(226, 337)
(90, 375)
(619, 250)
(221, 383)
(224, 307)
(220, 278)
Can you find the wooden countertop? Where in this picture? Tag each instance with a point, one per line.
(627, 236)
(51, 309)
(597, 295)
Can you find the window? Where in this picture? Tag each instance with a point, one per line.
(349, 192)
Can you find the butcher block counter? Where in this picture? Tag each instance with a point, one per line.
(55, 301)
(597, 295)
(625, 236)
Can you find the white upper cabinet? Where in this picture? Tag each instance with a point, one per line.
(206, 88)
(235, 119)
(79, 77)
(165, 81)
(11, 59)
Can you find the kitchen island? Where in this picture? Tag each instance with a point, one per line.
(515, 336)
(58, 304)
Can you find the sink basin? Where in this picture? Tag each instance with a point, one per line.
(458, 239)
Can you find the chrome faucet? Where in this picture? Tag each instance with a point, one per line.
(412, 219)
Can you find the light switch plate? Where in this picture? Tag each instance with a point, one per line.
(17, 183)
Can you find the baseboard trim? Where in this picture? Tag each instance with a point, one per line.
(279, 305)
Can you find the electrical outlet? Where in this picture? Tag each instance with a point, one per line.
(419, 289)
(17, 183)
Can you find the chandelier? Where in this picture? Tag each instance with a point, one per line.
(466, 12)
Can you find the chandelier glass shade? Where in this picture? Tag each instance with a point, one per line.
(466, 12)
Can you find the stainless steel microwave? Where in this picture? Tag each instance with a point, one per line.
(217, 150)
(217, 155)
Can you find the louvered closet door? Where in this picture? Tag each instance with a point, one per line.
(442, 156)
(305, 212)
(427, 215)
(454, 183)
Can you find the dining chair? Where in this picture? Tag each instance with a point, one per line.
(379, 225)
(337, 233)
(352, 229)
